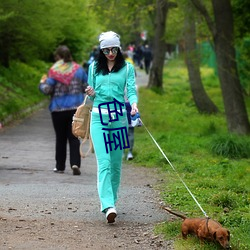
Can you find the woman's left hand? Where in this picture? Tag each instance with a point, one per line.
(134, 109)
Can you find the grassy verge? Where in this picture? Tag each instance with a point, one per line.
(19, 89)
(214, 164)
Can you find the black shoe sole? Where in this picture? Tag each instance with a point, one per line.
(111, 217)
(76, 171)
(58, 171)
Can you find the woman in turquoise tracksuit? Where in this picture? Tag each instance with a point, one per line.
(108, 77)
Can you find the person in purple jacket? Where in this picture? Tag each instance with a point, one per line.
(65, 83)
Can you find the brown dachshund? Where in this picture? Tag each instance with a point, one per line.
(204, 229)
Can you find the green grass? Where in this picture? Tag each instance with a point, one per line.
(214, 164)
(19, 88)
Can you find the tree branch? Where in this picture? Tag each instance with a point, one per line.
(202, 9)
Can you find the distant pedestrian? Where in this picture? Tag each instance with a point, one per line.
(65, 84)
(138, 56)
(147, 54)
(93, 55)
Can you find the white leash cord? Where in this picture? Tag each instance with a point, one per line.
(174, 170)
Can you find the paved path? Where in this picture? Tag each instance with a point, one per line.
(26, 163)
(141, 78)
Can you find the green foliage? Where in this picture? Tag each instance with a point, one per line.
(170, 230)
(224, 200)
(19, 87)
(128, 18)
(241, 17)
(175, 28)
(29, 33)
(231, 146)
(243, 59)
(175, 25)
(219, 183)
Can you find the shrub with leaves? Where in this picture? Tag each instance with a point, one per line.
(231, 146)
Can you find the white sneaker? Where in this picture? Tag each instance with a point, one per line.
(111, 214)
(130, 156)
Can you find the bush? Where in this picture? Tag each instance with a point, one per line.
(19, 88)
(231, 146)
(224, 200)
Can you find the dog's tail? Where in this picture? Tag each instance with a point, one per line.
(175, 213)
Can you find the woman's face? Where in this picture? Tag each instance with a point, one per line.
(110, 53)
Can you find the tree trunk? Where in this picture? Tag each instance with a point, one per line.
(223, 38)
(201, 99)
(159, 47)
(235, 109)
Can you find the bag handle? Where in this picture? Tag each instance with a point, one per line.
(86, 138)
(90, 149)
(85, 99)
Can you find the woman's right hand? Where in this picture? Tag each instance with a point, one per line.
(90, 91)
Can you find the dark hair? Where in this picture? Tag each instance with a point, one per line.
(64, 53)
(102, 67)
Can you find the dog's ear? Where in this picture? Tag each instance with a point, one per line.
(228, 237)
(214, 235)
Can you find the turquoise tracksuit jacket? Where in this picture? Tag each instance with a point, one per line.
(108, 87)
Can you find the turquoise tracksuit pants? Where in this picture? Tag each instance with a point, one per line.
(109, 164)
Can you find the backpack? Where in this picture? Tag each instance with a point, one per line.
(81, 125)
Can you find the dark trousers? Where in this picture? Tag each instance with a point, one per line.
(147, 65)
(131, 138)
(130, 129)
(62, 122)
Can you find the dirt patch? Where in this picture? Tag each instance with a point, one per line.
(50, 234)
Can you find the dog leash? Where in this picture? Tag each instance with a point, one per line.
(174, 169)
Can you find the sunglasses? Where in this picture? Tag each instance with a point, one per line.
(106, 51)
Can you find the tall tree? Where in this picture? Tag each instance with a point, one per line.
(223, 38)
(159, 44)
(201, 99)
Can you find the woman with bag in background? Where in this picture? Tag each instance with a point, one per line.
(65, 84)
(108, 77)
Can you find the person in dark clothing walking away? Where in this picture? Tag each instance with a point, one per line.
(65, 83)
(147, 54)
(138, 56)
